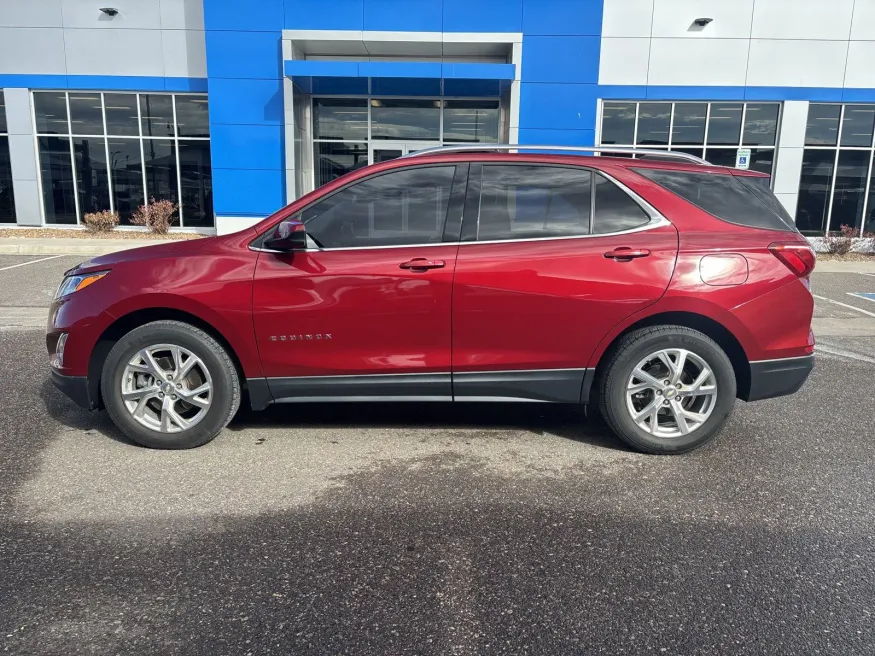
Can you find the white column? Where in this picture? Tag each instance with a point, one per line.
(517, 61)
(791, 142)
(22, 152)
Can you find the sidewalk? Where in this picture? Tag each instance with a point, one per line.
(61, 246)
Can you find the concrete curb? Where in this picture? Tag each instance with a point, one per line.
(61, 246)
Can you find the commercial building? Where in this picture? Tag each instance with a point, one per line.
(234, 108)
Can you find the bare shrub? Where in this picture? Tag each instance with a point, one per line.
(103, 221)
(158, 216)
(840, 243)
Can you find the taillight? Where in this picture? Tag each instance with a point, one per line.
(799, 258)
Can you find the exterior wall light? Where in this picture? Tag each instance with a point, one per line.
(702, 22)
(109, 11)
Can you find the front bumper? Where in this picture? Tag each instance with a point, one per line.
(771, 378)
(76, 388)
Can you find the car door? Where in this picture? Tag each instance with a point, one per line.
(365, 311)
(552, 257)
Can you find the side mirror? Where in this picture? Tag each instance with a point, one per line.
(289, 235)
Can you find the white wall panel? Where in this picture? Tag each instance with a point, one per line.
(789, 202)
(803, 19)
(114, 52)
(624, 61)
(627, 17)
(133, 14)
(184, 53)
(32, 50)
(788, 170)
(860, 70)
(674, 18)
(863, 25)
(28, 203)
(702, 62)
(796, 63)
(794, 120)
(23, 155)
(182, 14)
(30, 13)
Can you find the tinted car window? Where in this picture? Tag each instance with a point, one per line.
(526, 202)
(724, 196)
(393, 209)
(615, 211)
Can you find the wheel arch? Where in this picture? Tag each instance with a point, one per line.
(127, 322)
(704, 324)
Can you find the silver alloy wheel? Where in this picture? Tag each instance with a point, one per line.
(167, 388)
(671, 393)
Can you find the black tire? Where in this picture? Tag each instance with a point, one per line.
(623, 358)
(225, 394)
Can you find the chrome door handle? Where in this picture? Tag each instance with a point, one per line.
(624, 254)
(421, 264)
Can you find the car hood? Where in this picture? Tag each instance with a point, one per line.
(173, 249)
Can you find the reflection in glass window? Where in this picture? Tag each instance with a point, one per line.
(7, 198)
(121, 114)
(156, 112)
(197, 183)
(724, 126)
(857, 125)
(86, 113)
(127, 177)
(689, 124)
(850, 189)
(814, 190)
(160, 162)
(2, 113)
(823, 125)
(56, 174)
(473, 121)
(92, 178)
(721, 156)
(192, 116)
(615, 211)
(336, 159)
(113, 167)
(523, 202)
(653, 123)
(406, 119)
(392, 209)
(760, 124)
(340, 118)
(50, 112)
(618, 123)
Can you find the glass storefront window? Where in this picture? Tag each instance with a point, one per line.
(836, 187)
(349, 133)
(416, 119)
(127, 148)
(714, 130)
(7, 198)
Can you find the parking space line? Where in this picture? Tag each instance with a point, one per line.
(44, 259)
(843, 354)
(864, 295)
(845, 305)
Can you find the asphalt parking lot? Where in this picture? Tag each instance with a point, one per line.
(438, 529)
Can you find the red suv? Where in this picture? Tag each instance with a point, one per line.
(657, 290)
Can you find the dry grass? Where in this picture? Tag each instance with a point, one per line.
(54, 233)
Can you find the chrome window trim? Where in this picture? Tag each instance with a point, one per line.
(657, 220)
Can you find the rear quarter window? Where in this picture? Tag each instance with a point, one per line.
(725, 196)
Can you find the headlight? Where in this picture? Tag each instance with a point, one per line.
(75, 283)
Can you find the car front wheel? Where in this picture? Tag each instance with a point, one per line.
(667, 389)
(170, 385)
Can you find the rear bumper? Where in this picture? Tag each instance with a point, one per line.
(76, 388)
(771, 378)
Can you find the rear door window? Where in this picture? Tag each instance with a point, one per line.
(615, 211)
(725, 196)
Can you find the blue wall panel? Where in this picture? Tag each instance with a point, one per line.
(546, 137)
(483, 16)
(403, 15)
(246, 102)
(245, 54)
(249, 146)
(263, 15)
(558, 106)
(562, 17)
(324, 15)
(248, 192)
(562, 59)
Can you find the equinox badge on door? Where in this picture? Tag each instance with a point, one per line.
(299, 338)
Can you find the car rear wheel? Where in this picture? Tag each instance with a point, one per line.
(169, 385)
(667, 389)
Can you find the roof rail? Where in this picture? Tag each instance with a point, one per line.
(668, 154)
